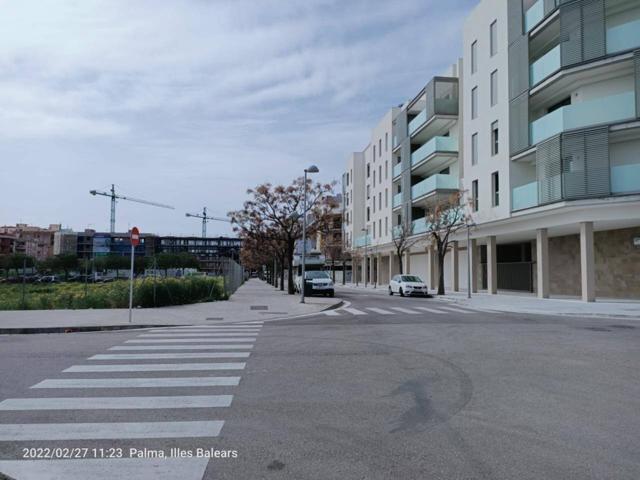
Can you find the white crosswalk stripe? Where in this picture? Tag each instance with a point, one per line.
(154, 338)
(331, 313)
(454, 309)
(219, 332)
(431, 310)
(206, 335)
(353, 311)
(380, 311)
(167, 356)
(156, 367)
(208, 341)
(405, 310)
(145, 382)
(115, 403)
(246, 346)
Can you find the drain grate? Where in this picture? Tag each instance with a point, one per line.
(259, 307)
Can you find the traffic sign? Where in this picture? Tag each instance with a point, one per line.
(135, 236)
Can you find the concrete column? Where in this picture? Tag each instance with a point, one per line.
(432, 258)
(364, 270)
(407, 262)
(587, 262)
(492, 266)
(542, 262)
(391, 258)
(454, 267)
(379, 269)
(475, 264)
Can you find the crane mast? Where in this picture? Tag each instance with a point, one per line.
(113, 196)
(205, 219)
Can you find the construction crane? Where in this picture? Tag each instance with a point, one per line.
(115, 197)
(205, 218)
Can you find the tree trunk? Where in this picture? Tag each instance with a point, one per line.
(441, 255)
(333, 270)
(400, 266)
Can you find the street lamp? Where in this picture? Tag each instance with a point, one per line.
(365, 270)
(311, 169)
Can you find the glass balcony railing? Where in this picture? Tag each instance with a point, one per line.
(433, 183)
(623, 37)
(625, 178)
(419, 226)
(397, 200)
(436, 144)
(394, 142)
(534, 15)
(417, 121)
(544, 66)
(397, 170)
(525, 196)
(609, 109)
(362, 241)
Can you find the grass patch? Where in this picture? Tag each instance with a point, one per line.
(168, 291)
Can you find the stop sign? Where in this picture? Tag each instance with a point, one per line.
(135, 236)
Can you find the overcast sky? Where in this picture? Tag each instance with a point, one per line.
(191, 102)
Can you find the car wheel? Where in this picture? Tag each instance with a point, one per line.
(390, 291)
(331, 294)
(401, 292)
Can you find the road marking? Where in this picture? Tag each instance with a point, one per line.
(405, 310)
(246, 346)
(353, 311)
(107, 431)
(107, 469)
(201, 335)
(207, 337)
(220, 332)
(115, 403)
(208, 341)
(156, 367)
(138, 382)
(166, 356)
(331, 313)
(454, 309)
(430, 310)
(380, 311)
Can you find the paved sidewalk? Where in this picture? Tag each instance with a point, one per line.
(523, 303)
(255, 300)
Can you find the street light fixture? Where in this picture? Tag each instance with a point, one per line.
(311, 169)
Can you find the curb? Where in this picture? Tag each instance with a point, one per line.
(335, 306)
(88, 328)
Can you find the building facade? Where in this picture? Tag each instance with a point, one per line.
(548, 151)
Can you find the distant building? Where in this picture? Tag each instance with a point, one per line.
(65, 242)
(35, 242)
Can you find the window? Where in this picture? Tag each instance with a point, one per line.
(347, 179)
(474, 57)
(369, 213)
(386, 198)
(494, 87)
(474, 195)
(494, 138)
(386, 142)
(368, 170)
(380, 173)
(379, 147)
(474, 103)
(386, 170)
(495, 189)
(474, 149)
(374, 178)
(493, 38)
(386, 226)
(374, 229)
(368, 192)
(379, 200)
(380, 227)
(374, 204)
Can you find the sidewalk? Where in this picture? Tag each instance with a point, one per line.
(527, 303)
(255, 300)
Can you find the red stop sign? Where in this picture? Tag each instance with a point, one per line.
(135, 236)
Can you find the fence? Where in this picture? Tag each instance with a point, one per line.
(231, 272)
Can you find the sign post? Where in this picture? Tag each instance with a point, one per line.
(135, 241)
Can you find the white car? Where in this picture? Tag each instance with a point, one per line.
(408, 285)
(316, 283)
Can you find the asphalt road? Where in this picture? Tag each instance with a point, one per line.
(386, 388)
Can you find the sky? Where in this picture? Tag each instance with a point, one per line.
(191, 102)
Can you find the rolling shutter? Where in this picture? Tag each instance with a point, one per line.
(519, 123)
(549, 171)
(585, 164)
(518, 67)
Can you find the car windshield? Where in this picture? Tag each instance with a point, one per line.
(314, 275)
(411, 278)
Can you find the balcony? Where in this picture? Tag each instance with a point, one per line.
(534, 15)
(609, 109)
(544, 66)
(625, 178)
(436, 144)
(433, 183)
(419, 226)
(525, 196)
(397, 200)
(443, 106)
(394, 142)
(397, 170)
(362, 241)
(623, 37)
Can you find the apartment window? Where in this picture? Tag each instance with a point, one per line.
(347, 179)
(369, 213)
(380, 173)
(380, 227)
(386, 198)
(495, 189)
(380, 147)
(494, 87)
(379, 200)
(474, 149)
(374, 178)
(493, 38)
(474, 195)
(368, 170)
(474, 57)
(374, 229)
(474, 102)
(368, 192)
(386, 226)
(374, 204)
(386, 142)
(495, 138)
(386, 170)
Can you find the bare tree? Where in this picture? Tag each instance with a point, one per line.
(443, 219)
(402, 240)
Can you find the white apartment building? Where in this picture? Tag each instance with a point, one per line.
(548, 152)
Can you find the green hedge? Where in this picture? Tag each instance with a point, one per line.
(168, 291)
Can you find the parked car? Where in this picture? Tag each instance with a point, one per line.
(316, 283)
(408, 285)
(48, 279)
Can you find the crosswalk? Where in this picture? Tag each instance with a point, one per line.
(438, 309)
(195, 365)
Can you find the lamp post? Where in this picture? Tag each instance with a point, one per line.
(311, 169)
(365, 270)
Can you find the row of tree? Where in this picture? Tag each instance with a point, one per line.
(271, 222)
